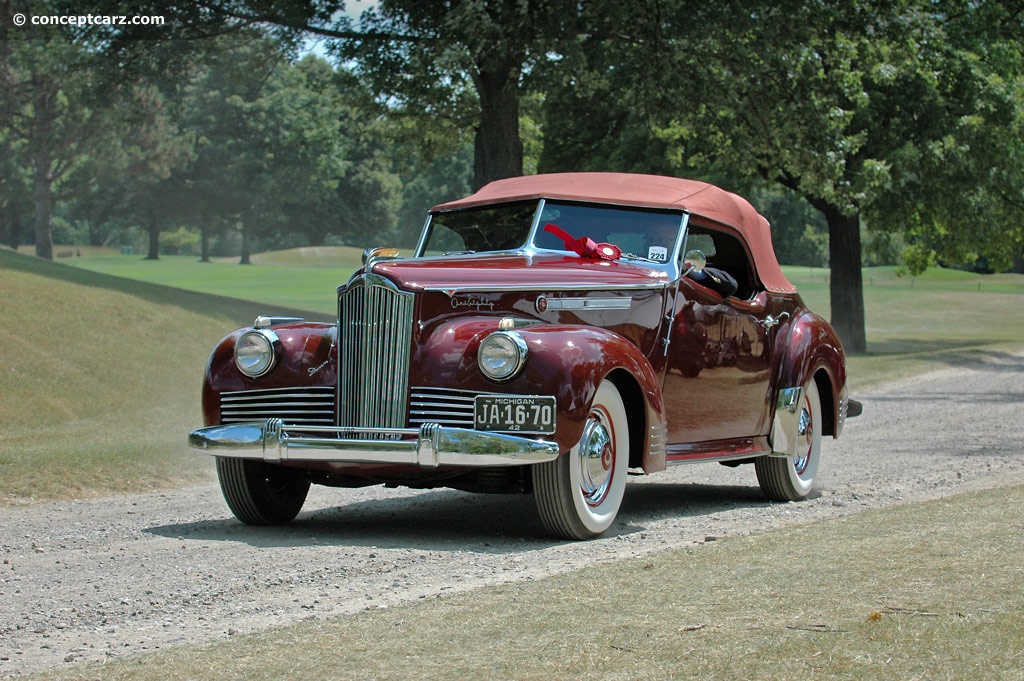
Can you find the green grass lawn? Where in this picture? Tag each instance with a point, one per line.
(300, 278)
(942, 317)
(100, 379)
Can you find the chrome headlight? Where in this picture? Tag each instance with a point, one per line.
(502, 355)
(256, 352)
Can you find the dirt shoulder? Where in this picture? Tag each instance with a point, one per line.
(88, 581)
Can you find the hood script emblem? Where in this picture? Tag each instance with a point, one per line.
(471, 301)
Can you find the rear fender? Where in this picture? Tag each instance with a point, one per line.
(812, 350)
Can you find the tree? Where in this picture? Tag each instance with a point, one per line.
(959, 193)
(281, 154)
(232, 180)
(458, 64)
(77, 124)
(887, 110)
(353, 191)
(867, 109)
(49, 109)
(443, 178)
(455, 66)
(148, 191)
(15, 192)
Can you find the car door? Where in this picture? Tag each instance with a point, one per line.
(717, 374)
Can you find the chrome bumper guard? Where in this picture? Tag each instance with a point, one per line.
(434, 445)
(786, 422)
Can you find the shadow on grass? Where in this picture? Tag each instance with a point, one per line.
(972, 355)
(154, 293)
(448, 520)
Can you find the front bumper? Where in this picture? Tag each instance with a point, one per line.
(429, 446)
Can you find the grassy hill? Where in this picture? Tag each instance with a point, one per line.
(303, 278)
(100, 379)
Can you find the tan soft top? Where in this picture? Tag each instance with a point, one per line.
(650, 191)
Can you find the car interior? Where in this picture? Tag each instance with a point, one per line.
(725, 252)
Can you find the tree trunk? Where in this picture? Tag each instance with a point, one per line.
(154, 238)
(42, 182)
(205, 244)
(847, 288)
(498, 147)
(42, 193)
(246, 259)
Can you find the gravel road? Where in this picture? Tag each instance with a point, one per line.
(87, 581)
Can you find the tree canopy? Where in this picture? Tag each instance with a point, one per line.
(906, 115)
(899, 119)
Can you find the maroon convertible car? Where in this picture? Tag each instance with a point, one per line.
(550, 335)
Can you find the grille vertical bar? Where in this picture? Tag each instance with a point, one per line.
(375, 337)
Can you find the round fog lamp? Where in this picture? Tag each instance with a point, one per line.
(502, 355)
(255, 352)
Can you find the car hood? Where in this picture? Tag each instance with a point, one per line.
(517, 271)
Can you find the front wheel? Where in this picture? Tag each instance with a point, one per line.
(791, 478)
(579, 494)
(261, 493)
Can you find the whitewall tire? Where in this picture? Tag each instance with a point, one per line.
(579, 494)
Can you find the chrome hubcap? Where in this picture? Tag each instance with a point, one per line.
(804, 430)
(596, 461)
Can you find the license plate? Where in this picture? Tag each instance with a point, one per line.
(515, 413)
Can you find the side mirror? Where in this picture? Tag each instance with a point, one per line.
(694, 261)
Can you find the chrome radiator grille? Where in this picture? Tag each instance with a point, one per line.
(446, 406)
(375, 337)
(300, 406)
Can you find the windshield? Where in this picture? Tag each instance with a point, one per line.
(491, 228)
(641, 234)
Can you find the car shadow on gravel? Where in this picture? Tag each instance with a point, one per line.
(448, 520)
(659, 501)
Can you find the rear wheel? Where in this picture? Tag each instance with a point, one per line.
(791, 478)
(579, 494)
(261, 493)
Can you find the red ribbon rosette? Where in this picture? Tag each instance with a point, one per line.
(585, 247)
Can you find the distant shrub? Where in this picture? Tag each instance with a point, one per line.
(182, 241)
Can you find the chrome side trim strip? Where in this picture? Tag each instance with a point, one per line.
(430, 446)
(589, 303)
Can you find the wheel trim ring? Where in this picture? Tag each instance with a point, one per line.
(596, 458)
(805, 430)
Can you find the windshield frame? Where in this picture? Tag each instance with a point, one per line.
(428, 228)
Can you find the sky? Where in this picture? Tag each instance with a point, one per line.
(353, 8)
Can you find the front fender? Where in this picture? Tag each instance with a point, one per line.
(306, 358)
(811, 346)
(566, 361)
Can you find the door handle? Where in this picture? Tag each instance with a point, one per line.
(770, 321)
